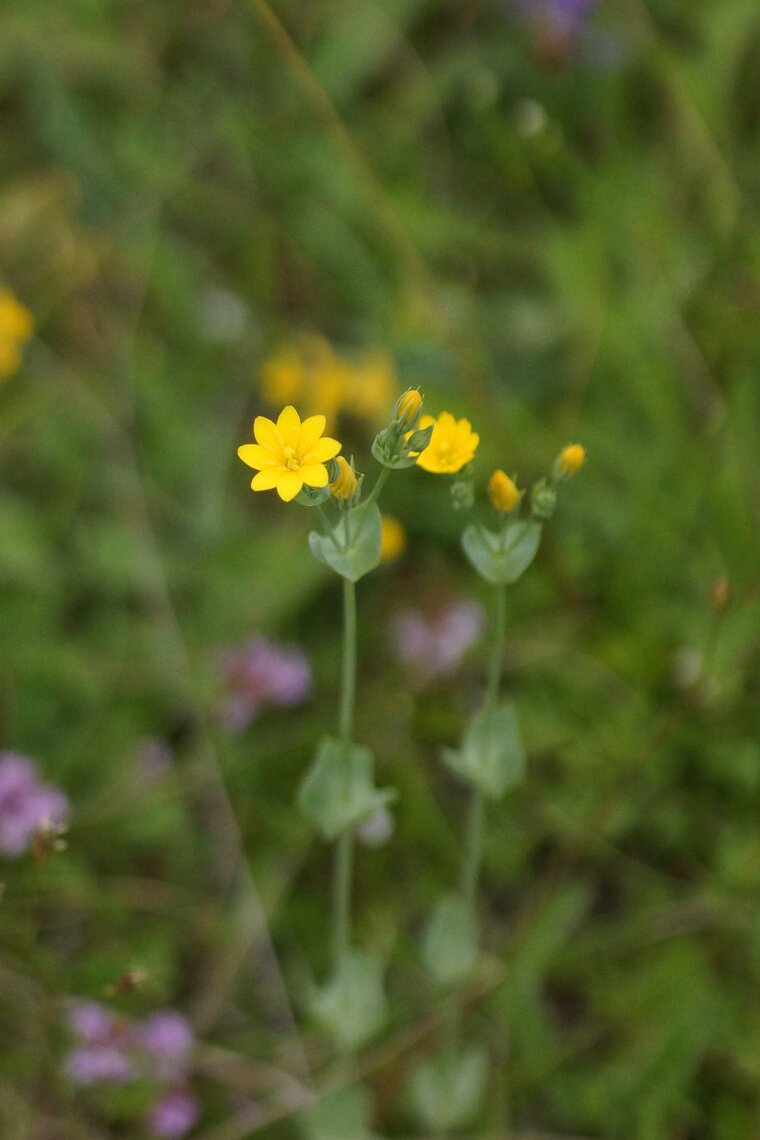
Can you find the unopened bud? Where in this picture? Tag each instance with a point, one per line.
(503, 492)
(407, 410)
(346, 486)
(569, 460)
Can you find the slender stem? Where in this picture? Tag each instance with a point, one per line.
(475, 828)
(344, 848)
(379, 484)
(497, 648)
(342, 869)
(323, 516)
(348, 682)
(473, 848)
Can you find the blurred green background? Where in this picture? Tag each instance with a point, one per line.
(552, 229)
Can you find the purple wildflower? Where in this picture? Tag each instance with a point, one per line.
(167, 1039)
(91, 1022)
(174, 1114)
(434, 648)
(262, 673)
(104, 1043)
(25, 804)
(98, 1064)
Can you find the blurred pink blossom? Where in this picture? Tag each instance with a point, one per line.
(258, 674)
(434, 647)
(25, 803)
(174, 1114)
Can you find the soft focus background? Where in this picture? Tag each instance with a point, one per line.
(543, 212)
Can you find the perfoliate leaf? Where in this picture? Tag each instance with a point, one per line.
(345, 1114)
(492, 756)
(450, 948)
(502, 558)
(338, 791)
(448, 1093)
(354, 558)
(351, 1007)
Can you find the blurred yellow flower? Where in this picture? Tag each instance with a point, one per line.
(346, 485)
(289, 453)
(569, 460)
(392, 538)
(452, 445)
(503, 491)
(313, 375)
(16, 326)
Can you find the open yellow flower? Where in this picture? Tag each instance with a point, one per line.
(452, 445)
(289, 453)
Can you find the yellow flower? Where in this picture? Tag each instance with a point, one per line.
(392, 538)
(408, 408)
(346, 485)
(503, 491)
(569, 460)
(289, 453)
(452, 444)
(16, 326)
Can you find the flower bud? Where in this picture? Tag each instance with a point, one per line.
(407, 410)
(569, 460)
(503, 492)
(543, 500)
(346, 486)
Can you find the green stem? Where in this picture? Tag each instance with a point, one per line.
(348, 680)
(379, 484)
(497, 648)
(475, 829)
(344, 848)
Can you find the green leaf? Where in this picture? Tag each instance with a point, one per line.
(502, 558)
(338, 791)
(447, 1093)
(492, 756)
(351, 1007)
(362, 553)
(449, 948)
(344, 1114)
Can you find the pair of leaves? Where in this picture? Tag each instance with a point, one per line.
(492, 756)
(351, 1007)
(355, 552)
(447, 1093)
(344, 1114)
(338, 792)
(501, 558)
(450, 945)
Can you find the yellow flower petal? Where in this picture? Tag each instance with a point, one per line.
(311, 430)
(288, 484)
(322, 450)
(289, 426)
(314, 474)
(267, 480)
(265, 433)
(254, 455)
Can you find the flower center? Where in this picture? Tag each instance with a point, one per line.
(291, 462)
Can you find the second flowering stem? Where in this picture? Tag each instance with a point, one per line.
(344, 847)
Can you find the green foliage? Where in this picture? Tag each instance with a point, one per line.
(338, 791)
(352, 548)
(558, 241)
(491, 756)
(502, 557)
